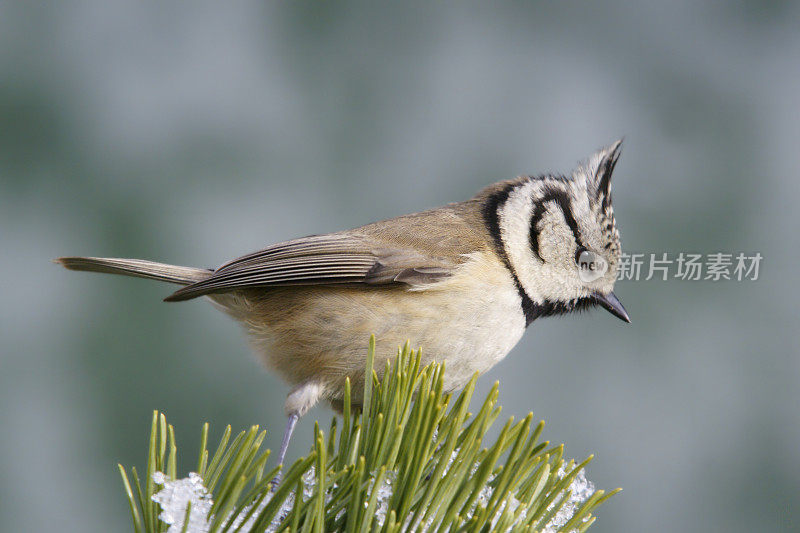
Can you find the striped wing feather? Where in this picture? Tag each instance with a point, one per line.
(321, 260)
(414, 249)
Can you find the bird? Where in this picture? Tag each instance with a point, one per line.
(462, 281)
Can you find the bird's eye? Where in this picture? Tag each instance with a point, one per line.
(591, 266)
(578, 253)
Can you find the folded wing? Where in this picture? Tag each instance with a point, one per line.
(333, 259)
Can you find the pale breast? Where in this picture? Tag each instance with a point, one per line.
(471, 320)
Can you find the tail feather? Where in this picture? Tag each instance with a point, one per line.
(137, 268)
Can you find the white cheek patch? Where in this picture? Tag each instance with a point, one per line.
(541, 281)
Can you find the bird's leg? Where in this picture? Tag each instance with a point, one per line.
(287, 435)
(300, 400)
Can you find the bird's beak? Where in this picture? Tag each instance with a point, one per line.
(612, 304)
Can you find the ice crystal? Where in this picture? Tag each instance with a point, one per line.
(483, 496)
(581, 489)
(309, 481)
(384, 496)
(176, 495)
(237, 522)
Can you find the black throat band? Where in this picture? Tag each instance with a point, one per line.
(491, 217)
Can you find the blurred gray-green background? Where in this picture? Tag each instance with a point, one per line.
(195, 133)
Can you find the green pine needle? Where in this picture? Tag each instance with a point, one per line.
(414, 459)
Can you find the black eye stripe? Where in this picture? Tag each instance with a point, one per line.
(563, 202)
(536, 217)
(578, 253)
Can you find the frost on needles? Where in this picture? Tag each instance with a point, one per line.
(415, 460)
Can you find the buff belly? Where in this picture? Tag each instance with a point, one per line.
(319, 334)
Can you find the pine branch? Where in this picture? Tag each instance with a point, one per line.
(416, 459)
